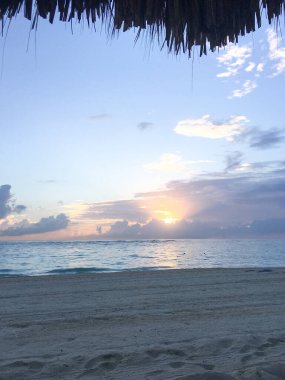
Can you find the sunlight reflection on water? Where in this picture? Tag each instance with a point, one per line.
(33, 258)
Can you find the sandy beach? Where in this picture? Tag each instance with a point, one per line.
(178, 324)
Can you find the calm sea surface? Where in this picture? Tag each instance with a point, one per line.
(44, 258)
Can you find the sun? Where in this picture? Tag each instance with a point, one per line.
(166, 216)
(169, 220)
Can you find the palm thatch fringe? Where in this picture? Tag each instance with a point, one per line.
(181, 24)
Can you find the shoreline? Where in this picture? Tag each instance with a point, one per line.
(86, 271)
(155, 324)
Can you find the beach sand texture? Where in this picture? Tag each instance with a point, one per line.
(199, 324)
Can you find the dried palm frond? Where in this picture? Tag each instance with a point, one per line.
(181, 24)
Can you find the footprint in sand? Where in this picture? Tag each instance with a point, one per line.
(176, 364)
(101, 364)
(246, 348)
(107, 360)
(28, 365)
(271, 342)
(208, 367)
(155, 353)
(176, 352)
(21, 369)
(276, 370)
(151, 375)
(245, 358)
(207, 376)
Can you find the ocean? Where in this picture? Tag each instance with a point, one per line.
(63, 257)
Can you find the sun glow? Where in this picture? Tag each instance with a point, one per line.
(169, 210)
(169, 220)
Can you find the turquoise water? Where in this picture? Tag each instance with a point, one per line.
(44, 258)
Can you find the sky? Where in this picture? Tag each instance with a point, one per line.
(102, 138)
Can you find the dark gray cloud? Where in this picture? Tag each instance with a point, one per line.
(222, 204)
(122, 229)
(49, 224)
(264, 139)
(5, 198)
(227, 198)
(266, 195)
(143, 125)
(7, 203)
(100, 116)
(233, 160)
(125, 209)
(235, 198)
(19, 208)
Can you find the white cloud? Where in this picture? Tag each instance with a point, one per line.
(237, 61)
(233, 60)
(250, 67)
(244, 167)
(205, 127)
(247, 87)
(260, 67)
(228, 73)
(276, 53)
(168, 162)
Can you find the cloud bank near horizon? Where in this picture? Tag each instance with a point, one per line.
(25, 227)
(184, 229)
(246, 200)
(48, 224)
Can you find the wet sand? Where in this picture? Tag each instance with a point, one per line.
(175, 324)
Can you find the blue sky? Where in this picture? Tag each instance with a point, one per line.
(118, 140)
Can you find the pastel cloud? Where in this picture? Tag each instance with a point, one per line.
(207, 128)
(132, 210)
(170, 162)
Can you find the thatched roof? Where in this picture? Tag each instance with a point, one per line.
(179, 24)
